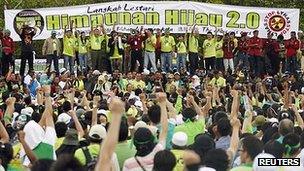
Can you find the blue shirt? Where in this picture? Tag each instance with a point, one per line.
(170, 133)
(223, 143)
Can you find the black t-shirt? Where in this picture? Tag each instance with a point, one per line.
(26, 36)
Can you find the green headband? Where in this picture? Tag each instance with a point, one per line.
(289, 148)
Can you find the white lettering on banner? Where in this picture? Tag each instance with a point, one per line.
(176, 15)
(39, 65)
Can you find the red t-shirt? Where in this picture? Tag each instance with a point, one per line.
(135, 42)
(255, 46)
(292, 45)
(8, 45)
(243, 46)
(228, 49)
(271, 47)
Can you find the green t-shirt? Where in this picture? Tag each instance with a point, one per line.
(181, 47)
(124, 151)
(179, 160)
(96, 42)
(11, 167)
(116, 54)
(76, 39)
(209, 48)
(93, 149)
(193, 44)
(82, 46)
(218, 48)
(44, 151)
(149, 43)
(167, 43)
(68, 46)
(247, 167)
(192, 129)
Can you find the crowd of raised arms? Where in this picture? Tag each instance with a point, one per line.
(152, 101)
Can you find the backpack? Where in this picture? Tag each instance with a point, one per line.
(90, 161)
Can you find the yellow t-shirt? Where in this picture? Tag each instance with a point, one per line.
(58, 142)
(116, 53)
(54, 44)
(181, 47)
(167, 43)
(96, 42)
(193, 44)
(82, 46)
(93, 150)
(138, 84)
(149, 43)
(235, 40)
(221, 82)
(179, 160)
(209, 48)
(69, 46)
(218, 48)
(76, 39)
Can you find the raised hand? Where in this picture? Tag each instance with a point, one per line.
(161, 97)
(235, 123)
(117, 106)
(10, 101)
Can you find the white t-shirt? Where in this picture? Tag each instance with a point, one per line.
(146, 161)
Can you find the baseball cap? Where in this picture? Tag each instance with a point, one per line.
(140, 124)
(170, 76)
(97, 132)
(64, 117)
(260, 120)
(27, 111)
(176, 73)
(146, 72)
(80, 112)
(96, 72)
(206, 169)
(256, 166)
(71, 137)
(143, 136)
(202, 144)
(62, 70)
(180, 139)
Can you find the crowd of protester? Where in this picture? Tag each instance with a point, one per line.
(150, 100)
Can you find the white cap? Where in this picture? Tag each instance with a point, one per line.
(140, 124)
(206, 169)
(256, 167)
(272, 120)
(27, 111)
(62, 70)
(102, 111)
(146, 72)
(96, 72)
(180, 139)
(64, 117)
(139, 104)
(97, 132)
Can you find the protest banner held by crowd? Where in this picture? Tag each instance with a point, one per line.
(140, 90)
